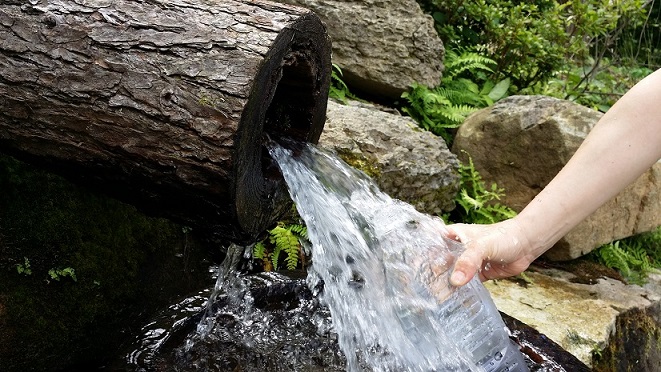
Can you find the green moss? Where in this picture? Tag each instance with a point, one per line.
(635, 344)
(126, 265)
(361, 163)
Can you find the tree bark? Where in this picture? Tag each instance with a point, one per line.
(165, 104)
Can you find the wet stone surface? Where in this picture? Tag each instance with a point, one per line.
(276, 325)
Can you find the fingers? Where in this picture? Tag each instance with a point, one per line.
(455, 232)
(493, 251)
(468, 263)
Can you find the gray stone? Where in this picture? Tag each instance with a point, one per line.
(382, 46)
(585, 319)
(522, 142)
(406, 162)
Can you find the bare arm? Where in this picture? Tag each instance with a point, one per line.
(625, 143)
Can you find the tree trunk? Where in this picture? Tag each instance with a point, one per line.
(165, 104)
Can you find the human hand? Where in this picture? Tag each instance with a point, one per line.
(494, 251)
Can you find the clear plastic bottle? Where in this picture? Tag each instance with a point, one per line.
(473, 320)
(465, 316)
(385, 268)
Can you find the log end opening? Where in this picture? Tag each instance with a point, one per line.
(288, 100)
(290, 114)
(290, 111)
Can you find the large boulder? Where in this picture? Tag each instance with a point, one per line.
(406, 162)
(522, 142)
(382, 46)
(607, 324)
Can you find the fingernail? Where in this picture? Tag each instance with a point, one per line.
(457, 278)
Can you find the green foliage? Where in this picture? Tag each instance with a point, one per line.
(635, 257)
(57, 274)
(287, 238)
(338, 89)
(641, 42)
(598, 89)
(532, 40)
(444, 108)
(24, 268)
(477, 203)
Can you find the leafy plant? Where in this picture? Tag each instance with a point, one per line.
(634, 257)
(57, 274)
(599, 91)
(477, 203)
(445, 107)
(532, 40)
(24, 268)
(641, 42)
(338, 89)
(284, 238)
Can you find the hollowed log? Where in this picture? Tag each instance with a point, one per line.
(165, 104)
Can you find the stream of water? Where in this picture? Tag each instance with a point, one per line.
(374, 299)
(384, 268)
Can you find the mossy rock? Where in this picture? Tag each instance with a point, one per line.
(635, 345)
(79, 272)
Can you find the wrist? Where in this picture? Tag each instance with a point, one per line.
(534, 241)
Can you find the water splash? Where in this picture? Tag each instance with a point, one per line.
(228, 283)
(384, 266)
(380, 269)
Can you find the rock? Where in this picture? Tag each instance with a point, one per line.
(634, 346)
(290, 306)
(406, 162)
(381, 46)
(522, 142)
(583, 318)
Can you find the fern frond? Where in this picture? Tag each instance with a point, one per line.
(483, 216)
(456, 114)
(468, 61)
(300, 230)
(476, 201)
(285, 240)
(458, 95)
(469, 202)
(634, 257)
(614, 257)
(275, 257)
(259, 251)
(293, 253)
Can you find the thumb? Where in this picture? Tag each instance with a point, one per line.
(469, 262)
(466, 267)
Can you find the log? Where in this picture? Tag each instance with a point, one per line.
(165, 104)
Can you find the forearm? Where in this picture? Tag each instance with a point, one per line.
(623, 144)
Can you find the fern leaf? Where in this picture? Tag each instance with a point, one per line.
(300, 230)
(457, 113)
(467, 61)
(275, 257)
(259, 251)
(293, 252)
(470, 201)
(483, 216)
(613, 256)
(285, 240)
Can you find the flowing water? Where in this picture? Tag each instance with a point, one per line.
(250, 323)
(370, 301)
(384, 266)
